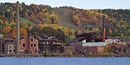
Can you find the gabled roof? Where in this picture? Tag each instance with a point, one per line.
(86, 36)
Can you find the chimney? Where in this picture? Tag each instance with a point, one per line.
(18, 30)
(104, 28)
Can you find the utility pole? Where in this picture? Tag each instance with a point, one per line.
(18, 30)
(1, 36)
(104, 28)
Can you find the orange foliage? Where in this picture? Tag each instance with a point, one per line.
(6, 29)
(23, 31)
(41, 26)
(110, 31)
(79, 31)
(12, 21)
(78, 23)
(30, 28)
(13, 33)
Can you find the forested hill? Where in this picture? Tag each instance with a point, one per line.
(63, 22)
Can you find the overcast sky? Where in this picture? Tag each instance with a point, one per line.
(85, 4)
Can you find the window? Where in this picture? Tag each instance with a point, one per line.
(23, 45)
(10, 50)
(7, 40)
(22, 38)
(31, 45)
(35, 50)
(31, 40)
(11, 40)
(34, 45)
(14, 50)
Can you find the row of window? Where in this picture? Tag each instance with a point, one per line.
(9, 41)
(32, 45)
(12, 51)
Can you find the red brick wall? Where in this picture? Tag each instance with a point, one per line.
(27, 41)
(33, 45)
(23, 49)
(67, 48)
(86, 50)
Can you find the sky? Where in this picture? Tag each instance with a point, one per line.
(82, 4)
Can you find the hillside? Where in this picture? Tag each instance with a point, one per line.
(65, 18)
(63, 22)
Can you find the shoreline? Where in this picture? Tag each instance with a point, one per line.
(41, 55)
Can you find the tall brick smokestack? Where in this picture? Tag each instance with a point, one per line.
(104, 28)
(18, 30)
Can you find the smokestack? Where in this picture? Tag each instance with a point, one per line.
(18, 30)
(104, 28)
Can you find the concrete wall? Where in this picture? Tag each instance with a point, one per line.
(10, 48)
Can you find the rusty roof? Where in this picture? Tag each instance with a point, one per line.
(86, 34)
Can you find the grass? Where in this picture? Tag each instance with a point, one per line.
(27, 21)
(65, 19)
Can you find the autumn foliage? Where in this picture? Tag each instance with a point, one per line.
(35, 18)
(23, 31)
(6, 30)
(78, 23)
(13, 33)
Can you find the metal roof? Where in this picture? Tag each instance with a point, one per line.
(94, 44)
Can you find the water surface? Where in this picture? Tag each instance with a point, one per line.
(65, 61)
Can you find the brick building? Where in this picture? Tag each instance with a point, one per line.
(89, 42)
(49, 43)
(87, 48)
(29, 44)
(123, 39)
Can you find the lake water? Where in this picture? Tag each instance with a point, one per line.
(65, 61)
